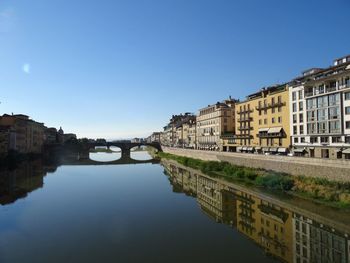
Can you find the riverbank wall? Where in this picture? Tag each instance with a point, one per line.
(333, 170)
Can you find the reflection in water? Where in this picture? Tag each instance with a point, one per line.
(105, 157)
(69, 224)
(284, 230)
(27, 177)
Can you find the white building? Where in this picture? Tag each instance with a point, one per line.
(320, 111)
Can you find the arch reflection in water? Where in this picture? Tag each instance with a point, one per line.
(104, 156)
(291, 230)
(140, 153)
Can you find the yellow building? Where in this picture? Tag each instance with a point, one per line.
(269, 225)
(262, 121)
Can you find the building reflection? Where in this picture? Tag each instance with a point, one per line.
(283, 229)
(26, 177)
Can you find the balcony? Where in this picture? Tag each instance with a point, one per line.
(277, 104)
(243, 136)
(243, 119)
(270, 135)
(245, 128)
(244, 111)
(262, 107)
(344, 86)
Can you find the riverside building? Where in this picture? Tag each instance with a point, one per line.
(262, 121)
(214, 121)
(320, 112)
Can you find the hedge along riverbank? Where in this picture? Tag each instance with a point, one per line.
(321, 190)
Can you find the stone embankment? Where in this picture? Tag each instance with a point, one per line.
(334, 170)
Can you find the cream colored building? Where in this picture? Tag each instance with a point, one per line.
(214, 121)
(28, 134)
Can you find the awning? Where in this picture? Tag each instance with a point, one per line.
(244, 148)
(263, 129)
(273, 149)
(275, 130)
(312, 148)
(346, 151)
(282, 150)
(338, 150)
(265, 149)
(299, 150)
(250, 148)
(258, 148)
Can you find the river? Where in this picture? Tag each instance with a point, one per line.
(156, 212)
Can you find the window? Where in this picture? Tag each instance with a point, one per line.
(279, 119)
(300, 93)
(311, 116)
(321, 115)
(260, 121)
(301, 106)
(273, 110)
(322, 127)
(302, 139)
(347, 96)
(324, 139)
(301, 117)
(273, 120)
(347, 125)
(294, 95)
(296, 140)
(295, 129)
(334, 126)
(322, 101)
(265, 121)
(301, 129)
(334, 99)
(347, 110)
(320, 89)
(334, 113)
(347, 139)
(279, 109)
(294, 107)
(313, 139)
(336, 139)
(225, 120)
(279, 99)
(295, 120)
(311, 128)
(272, 101)
(311, 103)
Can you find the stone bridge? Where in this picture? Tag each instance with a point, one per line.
(85, 160)
(125, 146)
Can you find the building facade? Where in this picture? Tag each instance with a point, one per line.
(214, 121)
(320, 113)
(262, 121)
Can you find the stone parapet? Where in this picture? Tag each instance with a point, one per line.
(335, 170)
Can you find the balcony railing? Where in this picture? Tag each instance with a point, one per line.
(243, 119)
(243, 136)
(245, 128)
(270, 135)
(244, 111)
(262, 107)
(309, 94)
(277, 104)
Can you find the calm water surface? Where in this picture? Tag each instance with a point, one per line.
(154, 213)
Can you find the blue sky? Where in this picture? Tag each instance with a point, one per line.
(116, 69)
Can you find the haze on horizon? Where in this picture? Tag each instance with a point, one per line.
(120, 69)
